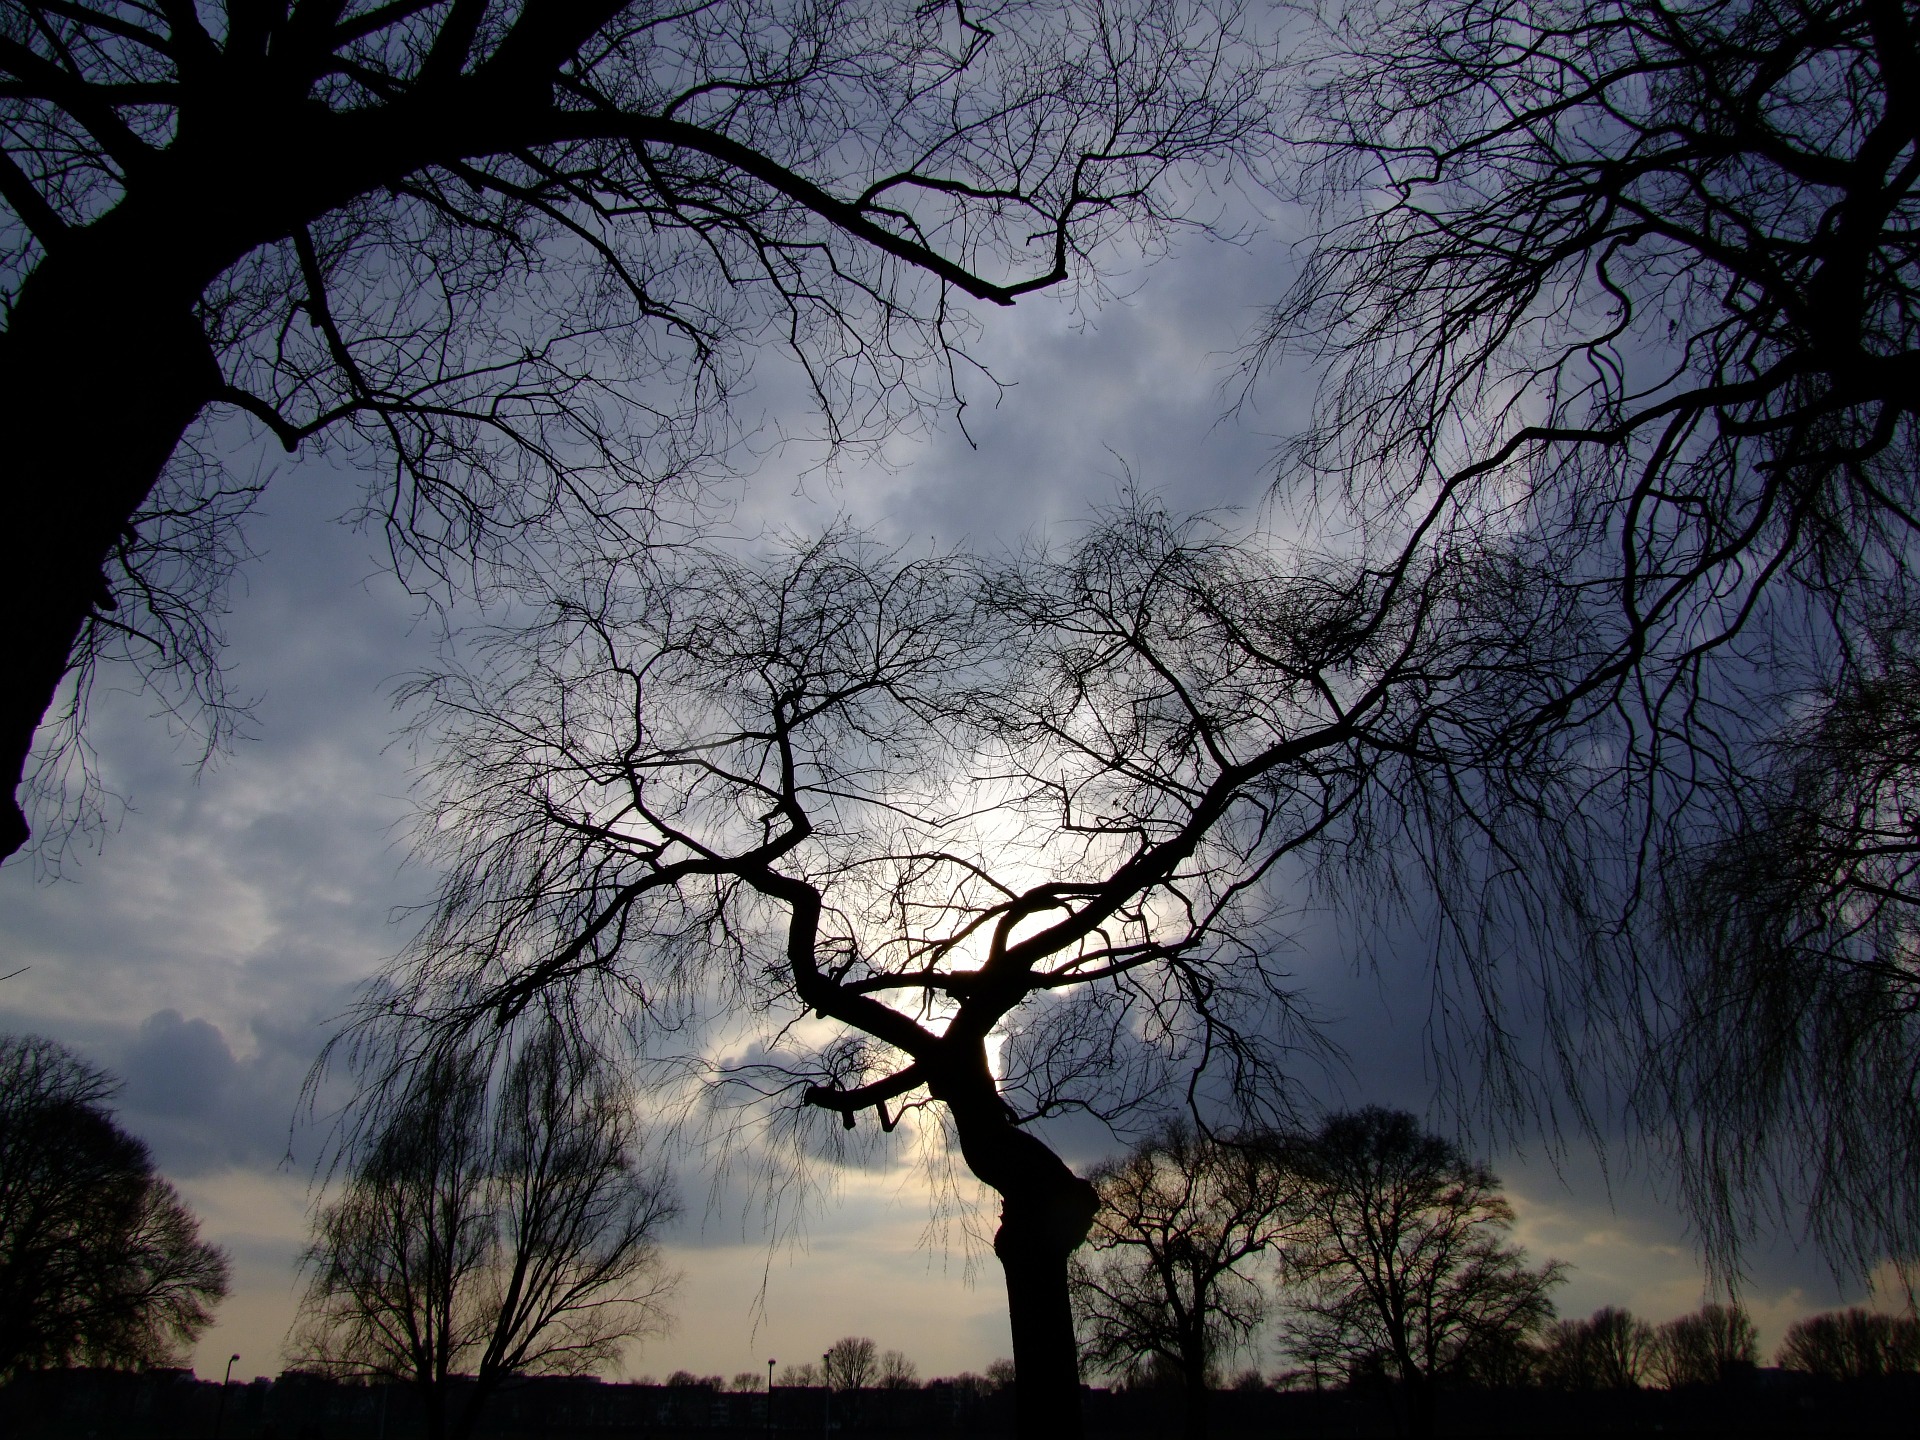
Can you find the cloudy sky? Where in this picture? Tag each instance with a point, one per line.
(203, 955)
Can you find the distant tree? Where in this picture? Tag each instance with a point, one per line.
(897, 1372)
(1402, 1263)
(1610, 1350)
(100, 1261)
(748, 1381)
(489, 1225)
(851, 1363)
(799, 1377)
(1852, 1344)
(1166, 1274)
(1713, 1344)
(1001, 1374)
(515, 257)
(687, 1380)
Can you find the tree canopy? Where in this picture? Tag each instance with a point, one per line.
(513, 259)
(100, 1261)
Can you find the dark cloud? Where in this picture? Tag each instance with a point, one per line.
(203, 955)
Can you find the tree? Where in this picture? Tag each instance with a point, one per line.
(100, 1261)
(851, 1363)
(515, 257)
(1403, 1260)
(1852, 1344)
(1632, 284)
(1715, 1343)
(897, 1371)
(1164, 1276)
(799, 1377)
(939, 802)
(1610, 1350)
(489, 1226)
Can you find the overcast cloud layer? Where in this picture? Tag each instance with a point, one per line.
(203, 955)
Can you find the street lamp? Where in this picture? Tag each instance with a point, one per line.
(769, 1397)
(220, 1411)
(826, 1378)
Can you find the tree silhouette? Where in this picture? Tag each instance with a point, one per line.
(1715, 1343)
(1164, 1276)
(100, 1261)
(1610, 1350)
(1633, 284)
(851, 1363)
(1852, 1344)
(1403, 1260)
(1010, 831)
(489, 1226)
(514, 258)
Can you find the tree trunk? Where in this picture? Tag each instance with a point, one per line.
(1193, 1365)
(1046, 1211)
(102, 368)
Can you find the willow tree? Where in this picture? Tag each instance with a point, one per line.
(1011, 834)
(513, 259)
(1634, 284)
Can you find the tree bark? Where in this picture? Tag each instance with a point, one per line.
(102, 367)
(1046, 1211)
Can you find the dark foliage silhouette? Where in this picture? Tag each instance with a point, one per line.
(1854, 1344)
(1609, 1350)
(1404, 1263)
(100, 1261)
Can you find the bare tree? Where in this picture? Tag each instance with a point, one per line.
(1852, 1344)
(1714, 1343)
(1166, 1271)
(1610, 1350)
(515, 257)
(488, 1230)
(1631, 282)
(946, 807)
(851, 1363)
(1404, 1259)
(897, 1371)
(100, 1261)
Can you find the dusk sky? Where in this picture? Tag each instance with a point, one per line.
(204, 954)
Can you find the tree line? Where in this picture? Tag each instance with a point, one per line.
(501, 1218)
(1379, 1256)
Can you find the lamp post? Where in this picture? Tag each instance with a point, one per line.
(220, 1410)
(769, 1397)
(826, 1378)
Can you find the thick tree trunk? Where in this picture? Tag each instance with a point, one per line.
(102, 368)
(1046, 1211)
(1194, 1366)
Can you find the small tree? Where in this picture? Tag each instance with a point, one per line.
(897, 1372)
(490, 1229)
(100, 1261)
(1166, 1272)
(1403, 1262)
(851, 1363)
(1610, 1350)
(1713, 1344)
(1852, 1344)
(799, 1377)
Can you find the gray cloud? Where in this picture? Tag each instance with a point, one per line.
(204, 953)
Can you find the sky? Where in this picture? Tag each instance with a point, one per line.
(205, 954)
